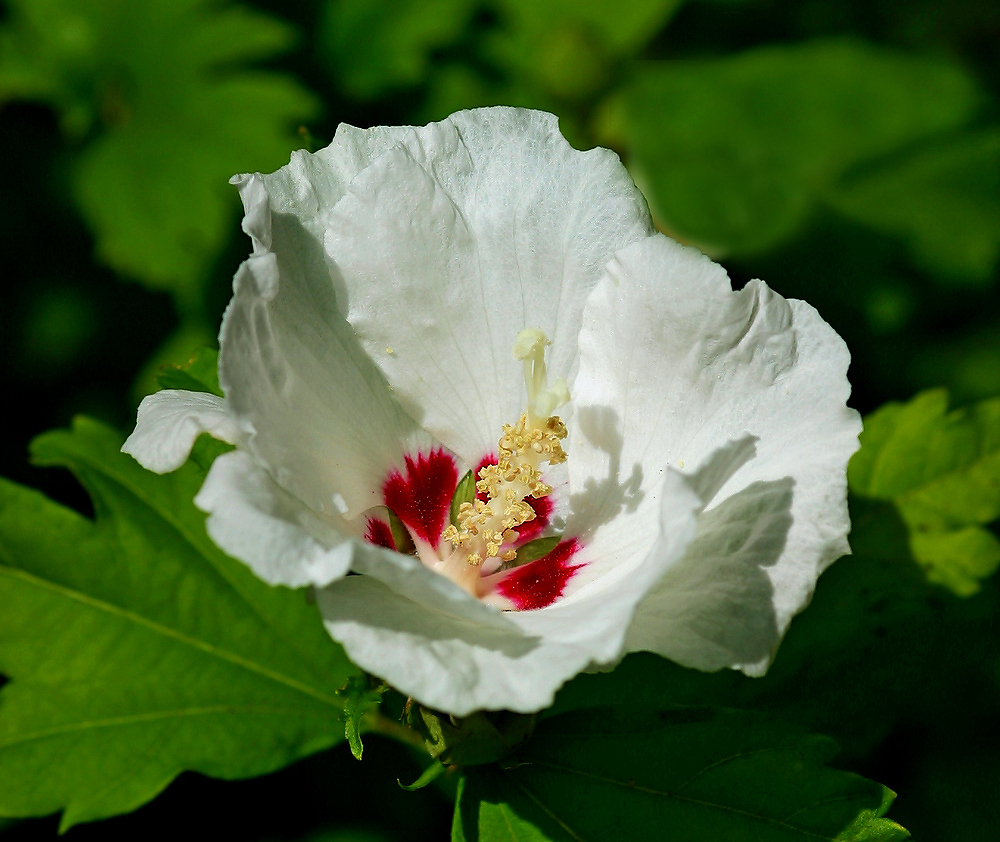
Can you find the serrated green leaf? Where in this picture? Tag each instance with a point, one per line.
(942, 471)
(944, 202)
(156, 89)
(199, 374)
(736, 152)
(137, 650)
(680, 774)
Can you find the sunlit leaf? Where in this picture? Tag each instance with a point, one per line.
(136, 649)
(942, 471)
(945, 202)
(168, 115)
(680, 774)
(736, 151)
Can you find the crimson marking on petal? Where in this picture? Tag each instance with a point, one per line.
(422, 498)
(542, 505)
(379, 533)
(541, 582)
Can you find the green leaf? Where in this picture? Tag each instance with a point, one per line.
(200, 374)
(680, 774)
(376, 45)
(736, 152)
(568, 49)
(360, 695)
(942, 471)
(620, 27)
(156, 89)
(136, 649)
(944, 202)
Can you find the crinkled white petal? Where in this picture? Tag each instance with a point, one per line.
(252, 518)
(445, 662)
(715, 608)
(465, 232)
(311, 404)
(434, 642)
(168, 423)
(673, 362)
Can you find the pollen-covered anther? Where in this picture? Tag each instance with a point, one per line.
(452, 534)
(485, 527)
(516, 513)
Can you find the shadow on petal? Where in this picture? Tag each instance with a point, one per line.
(600, 502)
(715, 608)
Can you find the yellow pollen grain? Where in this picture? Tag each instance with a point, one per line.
(485, 527)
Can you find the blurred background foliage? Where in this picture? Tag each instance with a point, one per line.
(846, 151)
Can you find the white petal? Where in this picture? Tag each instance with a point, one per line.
(255, 520)
(624, 557)
(406, 575)
(715, 608)
(443, 661)
(311, 404)
(434, 642)
(168, 423)
(678, 363)
(463, 234)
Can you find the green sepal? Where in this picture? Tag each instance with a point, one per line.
(429, 775)
(361, 694)
(481, 737)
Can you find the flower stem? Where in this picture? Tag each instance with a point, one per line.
(376, 722)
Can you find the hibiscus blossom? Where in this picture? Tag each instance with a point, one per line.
(461, 364)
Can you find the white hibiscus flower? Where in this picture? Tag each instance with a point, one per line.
(677, 484)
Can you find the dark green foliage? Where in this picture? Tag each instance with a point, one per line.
(680, 774)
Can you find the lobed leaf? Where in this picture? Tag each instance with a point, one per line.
(136, 649)
(679, 774)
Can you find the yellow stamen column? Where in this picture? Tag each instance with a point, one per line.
(484, 527)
